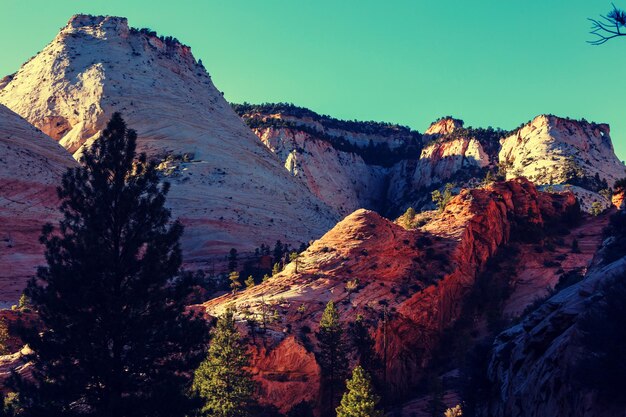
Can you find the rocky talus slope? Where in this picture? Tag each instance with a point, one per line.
(227, 188)
(422, 277)
(31, 167)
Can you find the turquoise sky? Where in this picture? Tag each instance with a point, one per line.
(490, 62)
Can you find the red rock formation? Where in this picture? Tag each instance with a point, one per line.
(423, 276)
(285, 372)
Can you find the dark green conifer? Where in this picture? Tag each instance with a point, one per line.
(359, 400)
(332, 355)
(117, 340)
(222, 381)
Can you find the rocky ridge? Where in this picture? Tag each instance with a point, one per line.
(421, 276)
(548, 150)
(553, 150)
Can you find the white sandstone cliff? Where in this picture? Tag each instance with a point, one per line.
(227, 188)
(31, 167)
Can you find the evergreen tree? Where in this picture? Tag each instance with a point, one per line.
(23, 302)
(293, 257)
(235, 284)
(249, 282)
(221, 381)
(275, 269)
(232, 260)
(364, 344)
(117, 340)
(442, 199)
(359, 400)
(407, 220)
(332, 355)
(279, 249)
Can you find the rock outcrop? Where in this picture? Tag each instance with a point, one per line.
(227, 188)
(344, 163)
(421, 277)
(450, 154)
(554, 150)
(31, 167)
(533, 363)
(343, 180)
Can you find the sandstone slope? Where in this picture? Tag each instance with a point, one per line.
(227, 188)
(421, 276)
(554, 150)
(31, 167)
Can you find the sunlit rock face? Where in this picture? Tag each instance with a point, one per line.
(344, 163)
(343, 180)
(228, 189)
(31, 167)
(422, 277)
(444, 158)
(554, 150)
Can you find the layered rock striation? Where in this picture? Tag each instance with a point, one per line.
(419, 277)
(228, 189)
(31, 167)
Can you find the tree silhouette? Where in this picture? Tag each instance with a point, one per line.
(117, 340)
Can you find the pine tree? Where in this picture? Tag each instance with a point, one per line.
(332, 355)
(293, 257)
(221, 381)
(364, 344)
(117, 340)
(279, 249)
(359, 400)
(442, 199)
(23, 302)
(235, 284)
(249, 282)
(232, 260)
(275, 269)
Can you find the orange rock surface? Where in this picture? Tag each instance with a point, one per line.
(422, 276)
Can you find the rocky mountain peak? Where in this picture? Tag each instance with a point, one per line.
(97, 26)
(444, 126)
(227, 188)
(555, 150)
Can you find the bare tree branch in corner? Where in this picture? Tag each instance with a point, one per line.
(608, 27)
